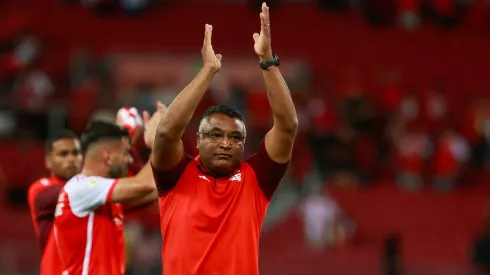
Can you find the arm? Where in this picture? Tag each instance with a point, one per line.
(279, 140)
(150, 126)
(168, 151)
(134, 188)
(268, 172)
(88, 193)
(43, 206)
(271, 162)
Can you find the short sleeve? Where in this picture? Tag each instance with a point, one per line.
(43, 199)
(88, 193)
(268, 172)
(166, 180)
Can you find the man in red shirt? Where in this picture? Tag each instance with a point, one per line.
(64, 160)
(89, 213)
(212, 207)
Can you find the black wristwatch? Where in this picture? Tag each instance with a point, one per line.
(264, 65)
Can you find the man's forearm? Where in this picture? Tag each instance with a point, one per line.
(180, 111)
(280, 100)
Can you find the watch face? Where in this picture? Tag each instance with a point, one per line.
(276, 59)
(266, 64)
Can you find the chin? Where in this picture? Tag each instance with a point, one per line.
(223, 168)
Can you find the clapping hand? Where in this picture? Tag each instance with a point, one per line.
(262, 44)
(151, 123)
(209, 58)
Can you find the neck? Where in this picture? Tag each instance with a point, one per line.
(56, 177)
(94, 169)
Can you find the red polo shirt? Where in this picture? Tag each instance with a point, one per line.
(43, 196)
(212, 225)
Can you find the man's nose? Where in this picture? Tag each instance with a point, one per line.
(225, 143)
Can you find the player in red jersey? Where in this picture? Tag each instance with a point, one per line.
(89, 216)
(64, 160)
(212, 207)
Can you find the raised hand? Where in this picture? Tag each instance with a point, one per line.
(262, 44)
(151, 123)
(209, 58)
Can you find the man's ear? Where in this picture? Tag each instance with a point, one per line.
(106, 156)
(198, 140)
(47, 162)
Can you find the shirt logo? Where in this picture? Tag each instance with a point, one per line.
(44, 181)
(92, 183)
(204, 178)
(118, 221)
(236, 177)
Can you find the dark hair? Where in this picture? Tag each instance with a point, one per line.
(60, 134)
(99, 130)
(223, 109)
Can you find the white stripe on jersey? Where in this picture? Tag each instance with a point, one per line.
(88, 246)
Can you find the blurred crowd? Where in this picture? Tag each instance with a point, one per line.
(408, 14)
(349, 135)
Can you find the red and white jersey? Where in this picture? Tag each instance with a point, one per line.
(88, 227)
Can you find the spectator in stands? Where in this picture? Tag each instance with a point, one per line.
(481, 248)
(451, 154)
(391, 257)
(412, 150)
(81, 68)
(324, 223)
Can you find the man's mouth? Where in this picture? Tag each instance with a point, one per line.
(223, 156)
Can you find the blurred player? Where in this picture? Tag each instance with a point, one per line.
(64, 160)
(88, 216)
(212, 207)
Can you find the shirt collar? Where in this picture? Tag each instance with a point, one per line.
(201, 167)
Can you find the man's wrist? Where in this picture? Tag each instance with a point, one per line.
(208, 70)
(266, 57)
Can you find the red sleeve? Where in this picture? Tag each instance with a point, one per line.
(166, 180)
(109, 194)
(44, 208)
(268, 172)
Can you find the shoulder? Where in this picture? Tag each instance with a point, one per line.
(79, 183)
(167, 180)
(37, 187)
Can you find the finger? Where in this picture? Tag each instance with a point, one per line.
(146, 117)
(219, 57)
(161, 106)
(265, 11)
(264, 23)
(208, 32)
(265, 8)
(256, 37)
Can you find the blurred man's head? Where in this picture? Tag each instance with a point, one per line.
(63, 154)
(221, 139)
(106, 146)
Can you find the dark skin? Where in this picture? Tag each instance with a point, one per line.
(168, 149)
(65, 158)
(221, 143)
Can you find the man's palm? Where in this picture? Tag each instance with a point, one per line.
(209, 58)
(151, 123)
(262, 44)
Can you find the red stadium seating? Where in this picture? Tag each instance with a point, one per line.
(436, 229)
